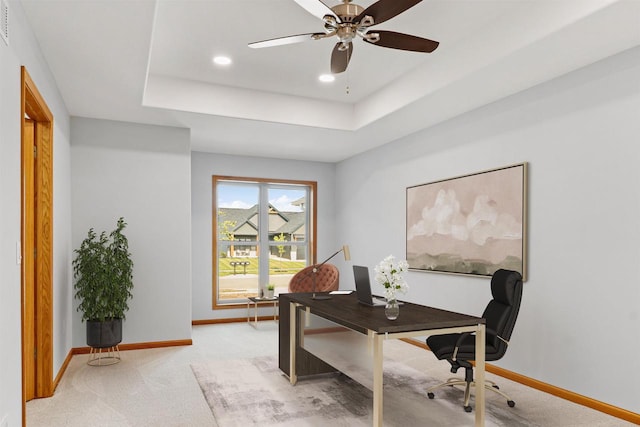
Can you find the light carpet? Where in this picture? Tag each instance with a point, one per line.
(255, 392)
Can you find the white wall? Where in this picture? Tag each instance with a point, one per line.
(203, 167)
(23, 50)
(580, 316)
(140, 172)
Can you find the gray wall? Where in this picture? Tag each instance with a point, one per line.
(23, 50)
(203, 167)
(580, 316)
(143, 173)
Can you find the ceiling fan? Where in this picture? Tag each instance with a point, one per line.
(348, 20)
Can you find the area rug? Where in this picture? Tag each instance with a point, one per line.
(255, 392)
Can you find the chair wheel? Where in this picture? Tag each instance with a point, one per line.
(511, 403)
(430, 395)
(467, 409)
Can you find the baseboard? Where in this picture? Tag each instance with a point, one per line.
(138, 346)
(566, 394)
(551, 389)
(229, 320)
(62, 370)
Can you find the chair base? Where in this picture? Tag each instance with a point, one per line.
(488, 385)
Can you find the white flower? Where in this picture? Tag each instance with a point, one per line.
(389, 274)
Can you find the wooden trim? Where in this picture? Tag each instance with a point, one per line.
(525, 222)
(243, 305)
(313, 248)
(566, 394)
(34, 104)
(229, 306)
(312, 238)
(228, 320)
(28, 278)
(63, 369)
(551, 389)
(264, 180)
(139, 346)
(416, 343)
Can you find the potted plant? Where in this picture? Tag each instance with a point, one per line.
(270, 288)
(103, 270)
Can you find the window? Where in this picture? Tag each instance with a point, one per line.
(263, 233)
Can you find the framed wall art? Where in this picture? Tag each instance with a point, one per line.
(473, 224)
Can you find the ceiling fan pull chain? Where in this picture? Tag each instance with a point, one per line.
(347, 88)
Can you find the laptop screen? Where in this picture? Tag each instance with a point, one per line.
(363, 286)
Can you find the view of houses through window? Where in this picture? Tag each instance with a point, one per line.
(248, 212)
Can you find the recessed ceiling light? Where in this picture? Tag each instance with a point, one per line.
(326, 78)
(222, 60)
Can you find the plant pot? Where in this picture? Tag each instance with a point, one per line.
(268, 293)
(104, 334)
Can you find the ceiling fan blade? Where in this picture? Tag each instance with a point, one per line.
(318, 9)
(383, 10)
(340, 58)
(299, 38)
(401, 41)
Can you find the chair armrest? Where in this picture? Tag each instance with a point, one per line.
(459, 343)
(489, 333)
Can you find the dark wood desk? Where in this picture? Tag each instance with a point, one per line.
(306, 363)
(414, 321)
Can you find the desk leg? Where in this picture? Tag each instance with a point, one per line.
(480, 369)
(293, 338)
(377, 380)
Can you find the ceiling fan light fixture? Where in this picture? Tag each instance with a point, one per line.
(330, 22)
(327, 78)
(343, 46)
(372, 37)
(222, 60)
(367, 21)
(346, 34)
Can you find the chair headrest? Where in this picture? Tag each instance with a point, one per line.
(503, 285)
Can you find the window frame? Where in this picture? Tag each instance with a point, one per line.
(312, 226)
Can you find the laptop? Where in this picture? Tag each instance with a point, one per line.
(363, 287)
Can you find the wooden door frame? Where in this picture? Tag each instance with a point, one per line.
(34, 106)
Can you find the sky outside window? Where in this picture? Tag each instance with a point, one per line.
(246, 196)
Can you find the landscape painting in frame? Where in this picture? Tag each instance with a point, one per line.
(473, 224)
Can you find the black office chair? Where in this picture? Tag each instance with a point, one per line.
(459, 349)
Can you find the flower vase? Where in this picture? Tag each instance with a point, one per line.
(392, 309)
